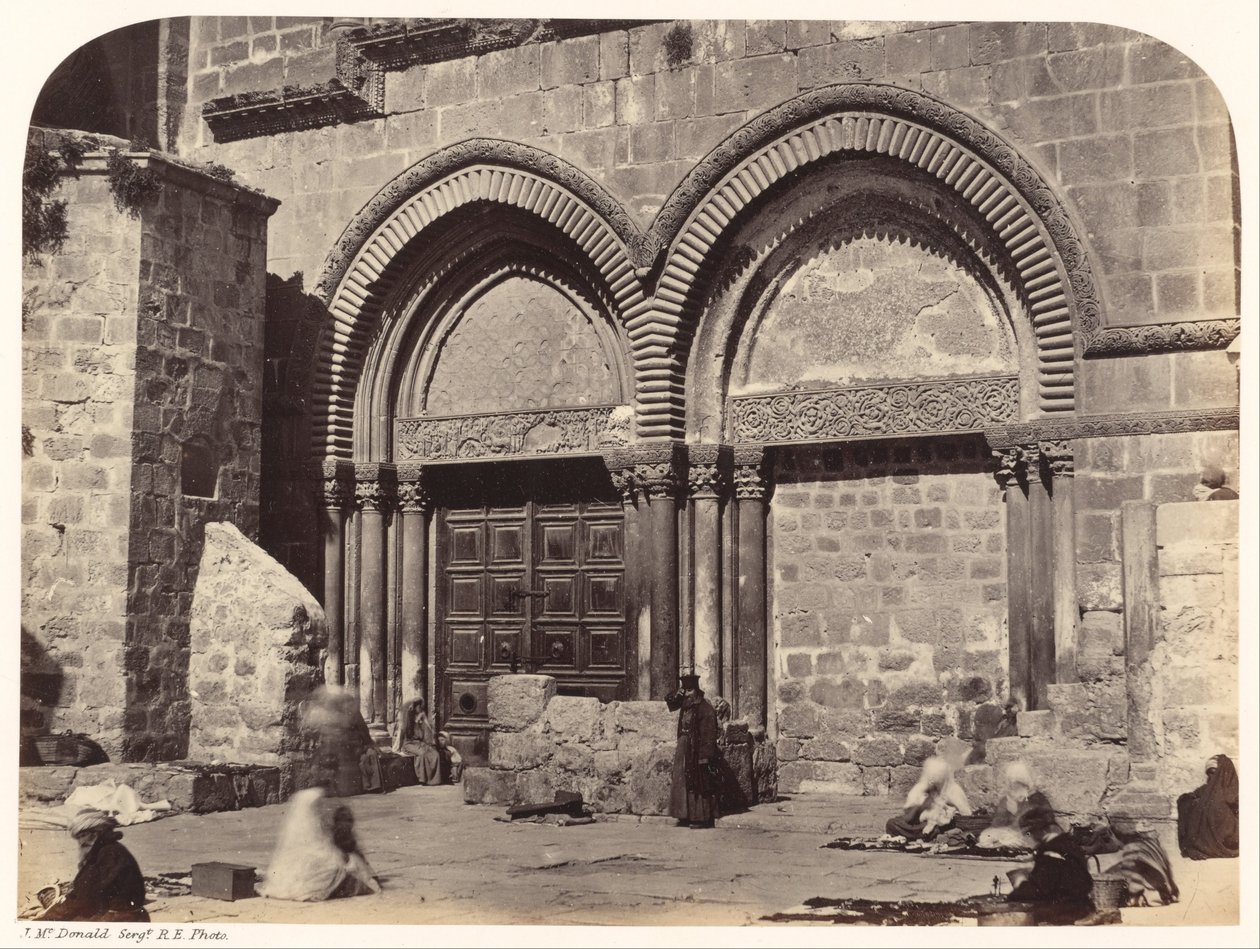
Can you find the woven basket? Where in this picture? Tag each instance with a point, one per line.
(1109, 892)
(68, 749)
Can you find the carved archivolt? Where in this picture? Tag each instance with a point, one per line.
(939, 406)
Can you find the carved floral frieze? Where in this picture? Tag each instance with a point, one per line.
(875, 411)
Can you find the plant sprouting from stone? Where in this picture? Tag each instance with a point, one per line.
(43, 219)
(132, 186)
(678, 44)
(28, 441)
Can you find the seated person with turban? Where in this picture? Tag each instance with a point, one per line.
(109, 886)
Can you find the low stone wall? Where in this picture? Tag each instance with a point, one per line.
(618, 755)
(189, 787)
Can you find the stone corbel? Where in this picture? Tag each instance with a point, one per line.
(1014, 462)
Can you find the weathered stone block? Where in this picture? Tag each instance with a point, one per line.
(648, 783)
(245, 601)
(650, 720)
(833, 778)
(878, 751)
(824, 749)
(517, 701)
(1037, 724)
(573, 718)
(518, 751)
(896, 720)
(1101, 632)
(1099, 587)
(849, 692)
(1196, 521)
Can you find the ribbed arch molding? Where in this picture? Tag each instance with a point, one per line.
(355, 304)
(1053, 277)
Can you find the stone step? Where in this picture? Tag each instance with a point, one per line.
(824, 814)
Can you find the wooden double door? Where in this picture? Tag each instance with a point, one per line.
(531, 573)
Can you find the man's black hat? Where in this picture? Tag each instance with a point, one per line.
(689, 678)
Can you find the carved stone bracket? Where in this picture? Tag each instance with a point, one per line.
(894, 409)
(1163, 337)
(375, 487)
(1015, 462)
(652, 471)
(583, 430)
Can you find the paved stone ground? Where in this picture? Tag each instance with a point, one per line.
(442, 861)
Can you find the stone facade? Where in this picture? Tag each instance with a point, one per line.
(255, 636)
(142, 344)
(825, 269)
(617, 755)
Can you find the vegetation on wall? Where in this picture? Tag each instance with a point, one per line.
(44, 219)
(132, 186)
(679, 42)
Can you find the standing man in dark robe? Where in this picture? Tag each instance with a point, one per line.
(693, 792)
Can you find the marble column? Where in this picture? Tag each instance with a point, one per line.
(656, 475)
(374, 496)
(1012, 476)
(638, 629)
(751, 653)
(705, 484)
(334, 495)
(413, 570)
(1059, 458)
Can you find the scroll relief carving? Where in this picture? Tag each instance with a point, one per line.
(550, 432)
(911, 408)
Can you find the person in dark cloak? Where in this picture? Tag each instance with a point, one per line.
(109, 887)
(1207, 817)
(344, 758)
(693, 789)
(1059, 884)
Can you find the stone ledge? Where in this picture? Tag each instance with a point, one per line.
(190, 787)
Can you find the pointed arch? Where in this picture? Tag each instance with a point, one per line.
(1004, 190)
(378, 246)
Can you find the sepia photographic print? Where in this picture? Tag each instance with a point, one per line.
(786, 477)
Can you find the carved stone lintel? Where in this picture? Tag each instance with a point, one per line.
(1163, 337)
(557, 431)
(874, 411)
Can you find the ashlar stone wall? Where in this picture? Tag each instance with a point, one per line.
(618, 755)
(142, 340)
(1162, 469)
(889, 609)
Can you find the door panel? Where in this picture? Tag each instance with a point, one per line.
(541, 580)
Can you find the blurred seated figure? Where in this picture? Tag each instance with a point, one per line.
(1020, 795)
(931, 804)
(1211, 486)
(1207, 817)
(317, 856)
(344, 758)
(418, 738)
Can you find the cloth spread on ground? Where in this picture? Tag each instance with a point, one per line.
(910, 912)
(952, 842)
(120, 801)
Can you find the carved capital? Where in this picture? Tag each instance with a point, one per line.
(1059, 458)
(333, 483)
(375, 487)
(1010, 465)
(747, 475)
(657, 479)
(708, 470)
(413, 497)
